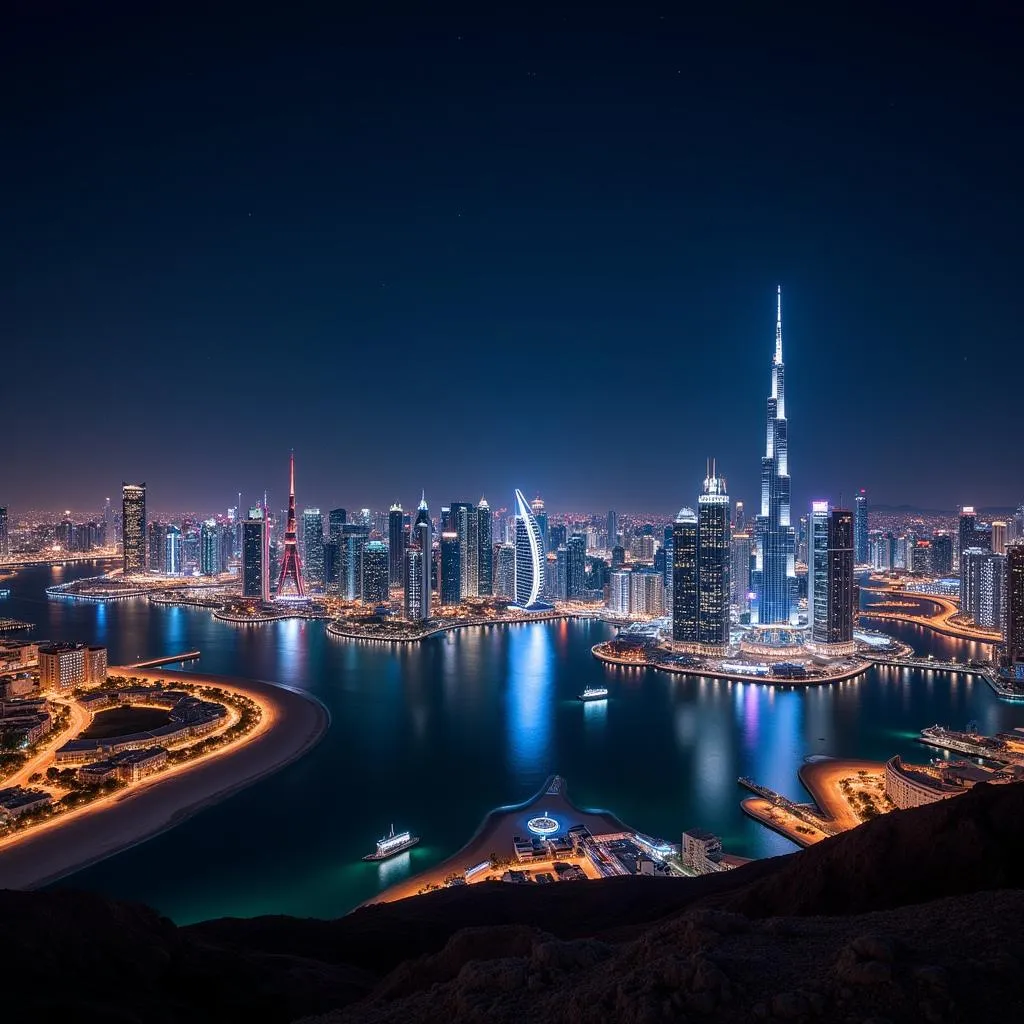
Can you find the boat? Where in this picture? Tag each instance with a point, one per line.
(593, 693)
(389, 845)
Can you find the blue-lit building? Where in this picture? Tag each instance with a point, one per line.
(451, 568)
(485, 549)
(861, 549)
(209, 548)
(774, 580)
(530, 556)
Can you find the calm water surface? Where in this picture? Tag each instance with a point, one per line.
(432, 736)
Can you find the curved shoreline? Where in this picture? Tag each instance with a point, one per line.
(333, 629)
(488, 832)
(295, 722)
(733, 677)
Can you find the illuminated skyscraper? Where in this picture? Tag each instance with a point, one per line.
(613, 529)
(966, 530)
(256, 555)
(739, 518)
(396, 545)
(541, 517)
(485, 549)
(775, 575)
(576, 566)
(530, 556)
(860, 528)
(999, 536)
(451, 568)
(818, 573)
(313, 542)
(841, 588)
(155, 534)
(506, 571)
(413, 563)
(422, 534)
(684, 577)
(1014, 615)
(172, 560)
(942, 554)
(209, 548)
(5, 538)
(739, 571)
(465, 523)
(350, 576)
(713, 565)
(376, 572)
(133, 519)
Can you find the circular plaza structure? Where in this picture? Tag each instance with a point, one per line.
(543, 826)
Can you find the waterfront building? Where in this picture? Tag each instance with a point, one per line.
(451, 568)
(313, 546)
(702, 852)
(999, 536)
(133, 527)
(255, 555)
(860, 528)
(982, 587)
(713, 565)
(1014, 618)
(530, 556)
(396, 544)
(209, 548)
(485, 549)
(506, 570)
(337, 518)
(646, 593)
(376, 572)
(155, 534)
(67, 666)
(291, 564)
(818, 572)
(942, 554)
(5, 537)
(739, 572)
(919, 556)
(685, 604)
(462, 519)
(841, 588)
(775, 572)
(171, 563)
(912, 785)
(413, 564)
(576, 567)
(422, 531)
(350, 572)
(619, 591)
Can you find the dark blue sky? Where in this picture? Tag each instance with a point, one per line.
(474, 253)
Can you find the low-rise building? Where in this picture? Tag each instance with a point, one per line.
(128, 766)
(18, 684)
(23, 722)
(912, 785)
(16, 801)
(18, 654)
(66, 666)
(702, 852)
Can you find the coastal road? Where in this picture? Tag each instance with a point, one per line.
(292, 723)
(43, 757)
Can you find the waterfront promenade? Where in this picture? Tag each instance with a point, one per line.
(291, 723)
(496, 834)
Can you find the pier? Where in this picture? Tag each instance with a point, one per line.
(171, 659)
(1003, 687)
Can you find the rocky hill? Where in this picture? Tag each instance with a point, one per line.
(912, 917)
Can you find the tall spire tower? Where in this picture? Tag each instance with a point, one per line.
(775, 574)
(291, 567)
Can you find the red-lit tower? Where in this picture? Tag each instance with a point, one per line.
(291, 568)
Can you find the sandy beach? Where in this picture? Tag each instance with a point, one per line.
(496, 833)
(292, 723)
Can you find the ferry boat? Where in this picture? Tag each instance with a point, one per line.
(389, 845)
(4, 592)
(593, 693)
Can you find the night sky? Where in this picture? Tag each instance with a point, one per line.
(508, 250)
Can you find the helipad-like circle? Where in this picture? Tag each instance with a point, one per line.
(543, 826)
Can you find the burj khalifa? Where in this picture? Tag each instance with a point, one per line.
(774, 578)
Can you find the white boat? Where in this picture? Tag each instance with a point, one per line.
(593, 693)
(389, 845)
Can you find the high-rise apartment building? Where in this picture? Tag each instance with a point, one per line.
(818, 572)
(133, 527)
(1014, 615)
(860, 527)
(422, 534)
(775, 573)
(396, 545)
(155, 534)
(5, 537)
(209, 548)
(942, 554)
(313, 543)
(505, 574)
(713, 533)
(966, 530)
(485, 549)
(613, 529)
(463, 520)
(173, 552)
(413, 562)
(576, 567)
(350, 572)
(739, 572)
(256, 555)
(619, 591)
(999, 532)
(841, 588)
(685, 604)
(451, 568)
(376, 572)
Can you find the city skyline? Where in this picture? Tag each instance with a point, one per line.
(192, 264)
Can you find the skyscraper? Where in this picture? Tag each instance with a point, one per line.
(1014, 616)
(155, 534)
(133, 519)
(5, 538)
(451, 568)
(530, 555)
(462, 519)
(485, 549)
(613, 529)
(775, 576)
(209, 548)
(860, 527)
(313, 542)
(350, 574)
(739, 518)
(713, 565)
(841, 607)
(966, 530)
(414, 576)
(291, 565)
(942, 554)
(541, 517)
(173, 564)
(684, 577)
(256, 555)
(999, 536)
(818, 572)
(506, 571)
(396, 545)
(576, 566)
(376, 572)
(422, 532)
(739, 572)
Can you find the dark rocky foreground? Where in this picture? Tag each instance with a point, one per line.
(916, 916)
